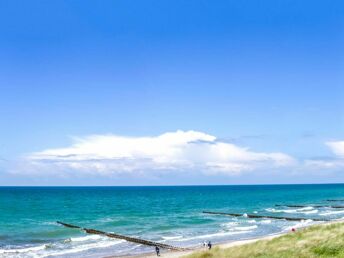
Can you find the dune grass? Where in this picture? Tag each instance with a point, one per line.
(325, 240)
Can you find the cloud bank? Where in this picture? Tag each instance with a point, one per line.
(172, 151)
(331, 163)
(337, 148)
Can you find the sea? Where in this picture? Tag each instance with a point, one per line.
(166, 214)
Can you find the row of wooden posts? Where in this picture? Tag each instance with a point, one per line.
(118, 236)
(174, 248)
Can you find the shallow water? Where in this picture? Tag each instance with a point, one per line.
(171, 215)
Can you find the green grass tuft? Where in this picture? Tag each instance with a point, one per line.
(313, 242)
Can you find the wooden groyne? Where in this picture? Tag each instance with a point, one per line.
(314, 206)
(253, 216)
(127, 238)
(68, 225)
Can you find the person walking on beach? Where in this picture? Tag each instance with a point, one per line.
(209, 245)
(157, 250)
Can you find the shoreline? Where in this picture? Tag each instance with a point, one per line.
(175, 254)
(223, 245)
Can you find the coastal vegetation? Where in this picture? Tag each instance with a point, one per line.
(326, 240)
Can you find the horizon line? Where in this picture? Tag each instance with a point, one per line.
(46, 186)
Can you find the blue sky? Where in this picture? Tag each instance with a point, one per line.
(262, 75)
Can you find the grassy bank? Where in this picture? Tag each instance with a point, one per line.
(325, 240)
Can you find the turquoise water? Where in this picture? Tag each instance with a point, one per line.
(171, 215)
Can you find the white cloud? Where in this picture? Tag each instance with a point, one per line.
(172, 151)
(337, 147)
(329, 164)
(332, 163)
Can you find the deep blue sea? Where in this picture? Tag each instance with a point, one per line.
(168, 214)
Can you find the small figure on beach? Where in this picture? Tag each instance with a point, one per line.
(209, 245)
(205, 244)
(157, 250)
(293, 229)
